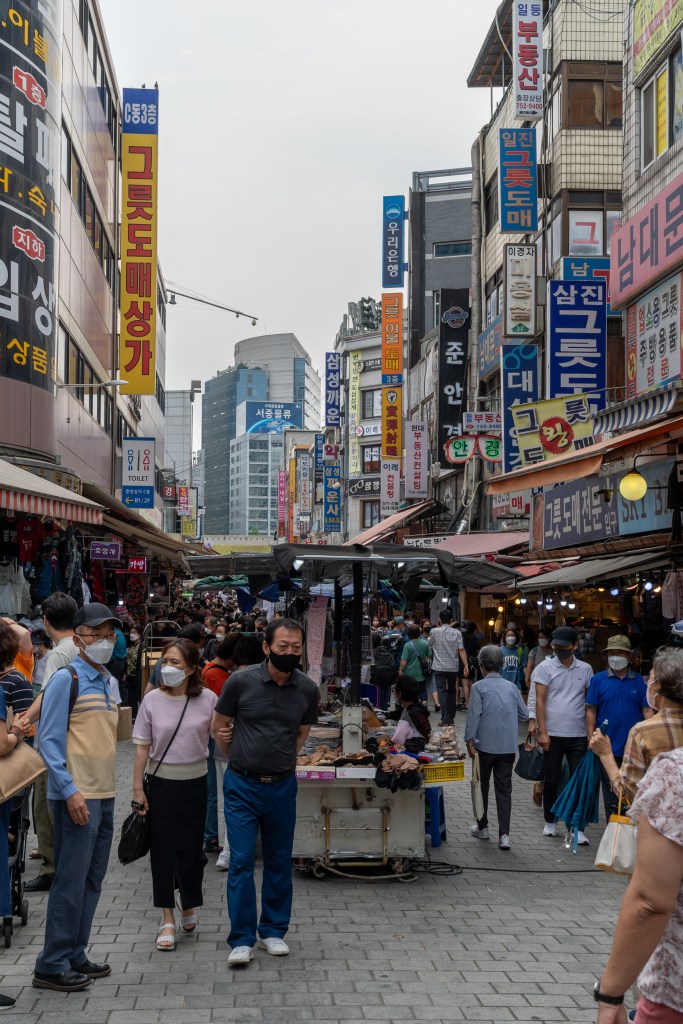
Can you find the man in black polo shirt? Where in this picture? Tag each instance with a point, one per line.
(271, 708)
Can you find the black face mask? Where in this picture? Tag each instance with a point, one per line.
(284, 662)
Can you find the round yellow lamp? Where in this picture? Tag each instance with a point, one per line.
(500, 608)
(492, 622)
(633, 486)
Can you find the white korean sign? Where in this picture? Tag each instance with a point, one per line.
(417, 459)
(527, 59)
(482, 422)
(426, 542)
(654, 337)
(511, 503)
(390, 487)
(520, 291)
(138, 466)
(305, 479)
(586, 235)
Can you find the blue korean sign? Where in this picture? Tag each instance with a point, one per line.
(577, 340)
(519, 380)
(588, 268)
(140, 111)
(332, 389)
(137, 472)
(332, 508)
(319, 451)
(271, 417)
(517, 180)
(490, 341)
(138, 497)
(393, 233)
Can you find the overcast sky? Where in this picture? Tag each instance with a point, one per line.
(281, 127)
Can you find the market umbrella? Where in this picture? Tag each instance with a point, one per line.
(578, 804)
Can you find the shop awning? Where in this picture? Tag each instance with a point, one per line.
(576, 465)
(594, 570)
(637, 411)
(474, 545)
(21, 491)
(410, 514)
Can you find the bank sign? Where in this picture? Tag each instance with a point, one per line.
(393, 228)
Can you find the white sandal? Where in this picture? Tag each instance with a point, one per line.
(166, 943)
(189, 919)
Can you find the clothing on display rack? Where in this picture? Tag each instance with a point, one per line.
(15, 594)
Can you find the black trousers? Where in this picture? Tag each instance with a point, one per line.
(177, 812)
(571, 747)
(501, 765)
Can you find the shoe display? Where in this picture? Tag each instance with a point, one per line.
(240, 956)
(92, 970)
(223, 862)
(582, 839)
(504, 843)
(7, 1003)
(41, 883)
(479, 833)
(550, 829)
(274, 946)
(67, 981)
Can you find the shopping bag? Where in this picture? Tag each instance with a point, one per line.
(617, 850)
(477, 796)
(530, 762)
(134, 841)
(19, 768)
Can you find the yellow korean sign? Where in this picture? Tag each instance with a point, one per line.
(356, 361)
(392, 339)
(653, 23)
(392, 423)
(139, 176)
(554, 427)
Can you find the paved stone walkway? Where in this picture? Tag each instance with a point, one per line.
(517, 936)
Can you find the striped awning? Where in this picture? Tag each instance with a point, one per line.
(21, 491)
(641, 410)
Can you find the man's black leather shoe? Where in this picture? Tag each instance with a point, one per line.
(41, 883)
(92, 970)
(67, 981)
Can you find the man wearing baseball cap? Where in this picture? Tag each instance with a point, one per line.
(619, 695)
(78, 745)
(561, 684)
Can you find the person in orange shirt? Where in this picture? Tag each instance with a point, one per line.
(23, 661)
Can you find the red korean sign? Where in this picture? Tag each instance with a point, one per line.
(168, 492)
(527, 58)
(137, 565)
(183, 501)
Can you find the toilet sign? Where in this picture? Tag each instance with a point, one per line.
(137, 472)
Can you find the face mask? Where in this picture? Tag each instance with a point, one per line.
(172, 676)
(651, 696)
(100, 652)
(543, 642)
(564, 653)
(510, 640)
(617, 663)
(134, 638)
(284, 662)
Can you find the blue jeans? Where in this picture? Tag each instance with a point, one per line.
(270, 806)
(211, 824)
(81, 856)
(5, 893)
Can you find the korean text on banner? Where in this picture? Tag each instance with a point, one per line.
(654, 330)
(490, 341)
(588, 268)
(417, 460)
(139, 178)
(332, 389)
(333, 479)
(517, 176)
(183, 501)
(137, 472)
(392, 339)
(653, 22)
(453, 346)
(577, 340)
(356, 367)
(390, 486)
(393, 228)
(30, 143)
(281, 501)
(527, 58)
(554, 427)
(520, 291)
(519, 381)
(392, 423)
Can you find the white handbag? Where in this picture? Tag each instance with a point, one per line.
(477, 797)
(617, 850)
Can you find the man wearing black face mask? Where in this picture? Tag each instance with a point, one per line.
(271, 708)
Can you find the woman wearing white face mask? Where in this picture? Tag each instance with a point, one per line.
(172, 734)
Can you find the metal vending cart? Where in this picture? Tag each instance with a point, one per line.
(343, 819)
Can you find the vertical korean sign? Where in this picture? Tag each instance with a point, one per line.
(392, 423)
(520, 290)
(137, 473)
(519, 379)
(517, 177)
(390, 486)
(392, 339)
(139, 178)
(30, 139)
(332, 389)
(417, 450)
(577, 340)
(333, 479)
(527, 59)
(356, 361)
(393, 227)
(453, 347)
(281, 501)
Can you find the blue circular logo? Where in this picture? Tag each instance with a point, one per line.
(393, 210)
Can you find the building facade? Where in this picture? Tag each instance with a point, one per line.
(255, 460)
(292, 377)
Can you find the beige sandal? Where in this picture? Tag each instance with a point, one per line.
(166, 943)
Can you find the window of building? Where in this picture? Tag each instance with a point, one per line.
(62, 343)
(442, 249)
(76, 370)
(87, 210)
(586, 233)
(371, 403)
(371, 458)
(96, 62)
(586, 105)
(661, 110)
(160, 395)
(436, 307)
(491, 203)
(369, 513)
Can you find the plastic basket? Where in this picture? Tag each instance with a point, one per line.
(446, 771)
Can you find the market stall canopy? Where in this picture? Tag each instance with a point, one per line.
(594, 570)
(21, 491)
(473, 545)
(387, 527)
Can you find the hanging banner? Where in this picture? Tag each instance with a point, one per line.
(30, 144)
(520, 290)
(482, 422)
(577, 341)
(527, 59)
(137, 472)
(393, 233)
(653, 338)
(356, 367)
(417, 455)
(305, 483)
(490, 341)
(332, 389)
(517, 178)
(392, 421)
(553, 427)
(390, 487)
(459, 450)
(139, 184)
(392, 339)
(333, 480)
(281, 502)
(654, 21)
(453, 347)
(519, 385)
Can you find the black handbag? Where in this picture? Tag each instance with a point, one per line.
(530, 762)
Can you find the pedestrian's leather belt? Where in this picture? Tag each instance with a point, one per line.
(276, 777)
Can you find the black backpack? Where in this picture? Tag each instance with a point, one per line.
(384, 669)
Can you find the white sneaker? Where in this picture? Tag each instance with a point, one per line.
(223, 862)
(240, 956)
(582, 840)
(550, 829)
(504, 843)
(479, 833)
(276, 947)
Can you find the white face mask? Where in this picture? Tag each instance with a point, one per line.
(511, 640)
(172, 676)
(134, 638)
(542, 642)
(100, 651)
(617, 663)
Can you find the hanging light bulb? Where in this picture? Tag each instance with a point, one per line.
(539, 602)
(648, 585)
(500, 609)
(518, 601)
(492, 622)
(601, 590)
(571, 605)
(522, 600)
(633, 486)
(563, 602)
(657, 589)
(549, 606)
(614, 591)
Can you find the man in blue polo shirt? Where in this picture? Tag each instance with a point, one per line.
(618, 695)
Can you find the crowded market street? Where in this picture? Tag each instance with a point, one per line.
(518, 936)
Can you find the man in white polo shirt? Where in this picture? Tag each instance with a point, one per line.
(561, 685)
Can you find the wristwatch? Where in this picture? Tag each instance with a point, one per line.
(601, 997)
